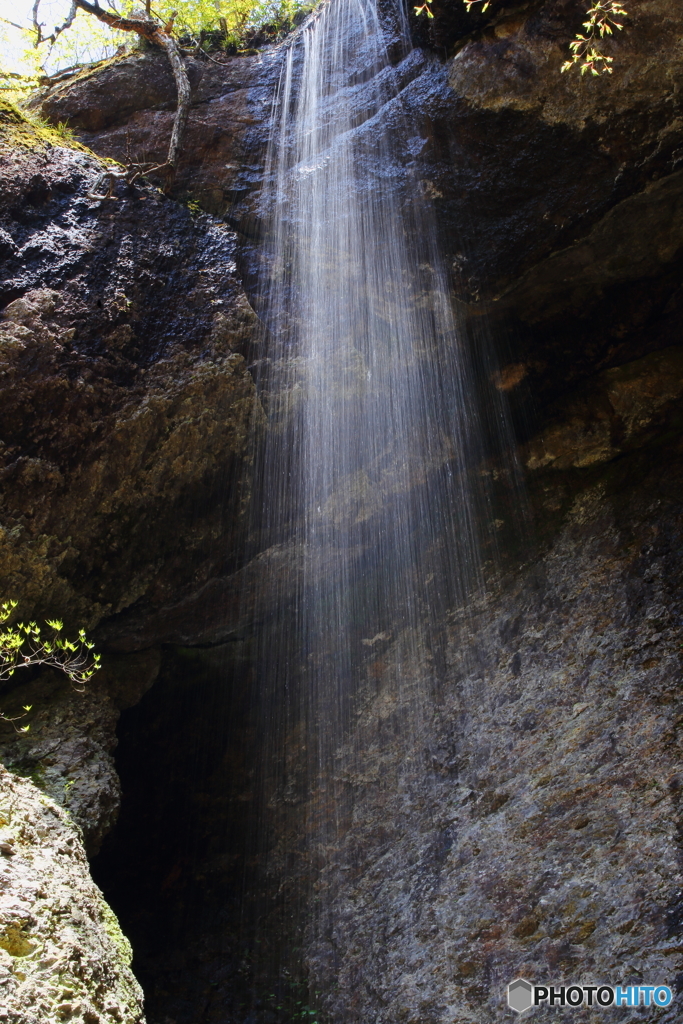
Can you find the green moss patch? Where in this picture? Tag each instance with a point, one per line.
(27, 131)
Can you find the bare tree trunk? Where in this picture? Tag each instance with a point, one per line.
(148, 29)
(183, 86)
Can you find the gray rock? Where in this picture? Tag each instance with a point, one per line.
(68, 750)
(520, 816)
(62, 953)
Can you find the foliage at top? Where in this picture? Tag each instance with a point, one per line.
(587, 54)
(37, 49)
(26, 644)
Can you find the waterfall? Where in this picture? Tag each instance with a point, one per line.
(371, 492)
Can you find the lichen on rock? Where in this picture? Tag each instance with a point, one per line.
(62, 953)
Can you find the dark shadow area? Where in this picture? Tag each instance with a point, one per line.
(184, 868)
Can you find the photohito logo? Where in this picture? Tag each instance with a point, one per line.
(522, 995)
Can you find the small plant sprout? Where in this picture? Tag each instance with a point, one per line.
(426, 7)
(17, 718)
(26, 644)
(602, 18)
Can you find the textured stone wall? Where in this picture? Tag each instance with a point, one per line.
(62, 953)
(69, 747)
(126, 424)
(127, 406)
(518, 812)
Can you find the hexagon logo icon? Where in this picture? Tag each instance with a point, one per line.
(520, 995)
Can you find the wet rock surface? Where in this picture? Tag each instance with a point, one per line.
(127, 406)
(228, 127)
(558, 198)
(510, 808)
(623, 408)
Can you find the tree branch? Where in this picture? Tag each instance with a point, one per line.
(184, 93)
(36, 24)
(13, 24)
(149, 29)
(68, 23)
(145, 27)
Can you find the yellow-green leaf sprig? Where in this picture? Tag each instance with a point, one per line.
(603, 17)
(26, 644)
(426, 7)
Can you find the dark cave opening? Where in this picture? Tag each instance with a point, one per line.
(184, 867)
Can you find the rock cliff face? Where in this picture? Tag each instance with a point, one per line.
(126, 419)
(127, 405)
(529, 823)
(531, 826)
(227, 132)
(69, 749)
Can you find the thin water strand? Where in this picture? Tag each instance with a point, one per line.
(369, 472)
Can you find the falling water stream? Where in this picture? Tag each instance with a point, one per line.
(371, 522)
(370, 490)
